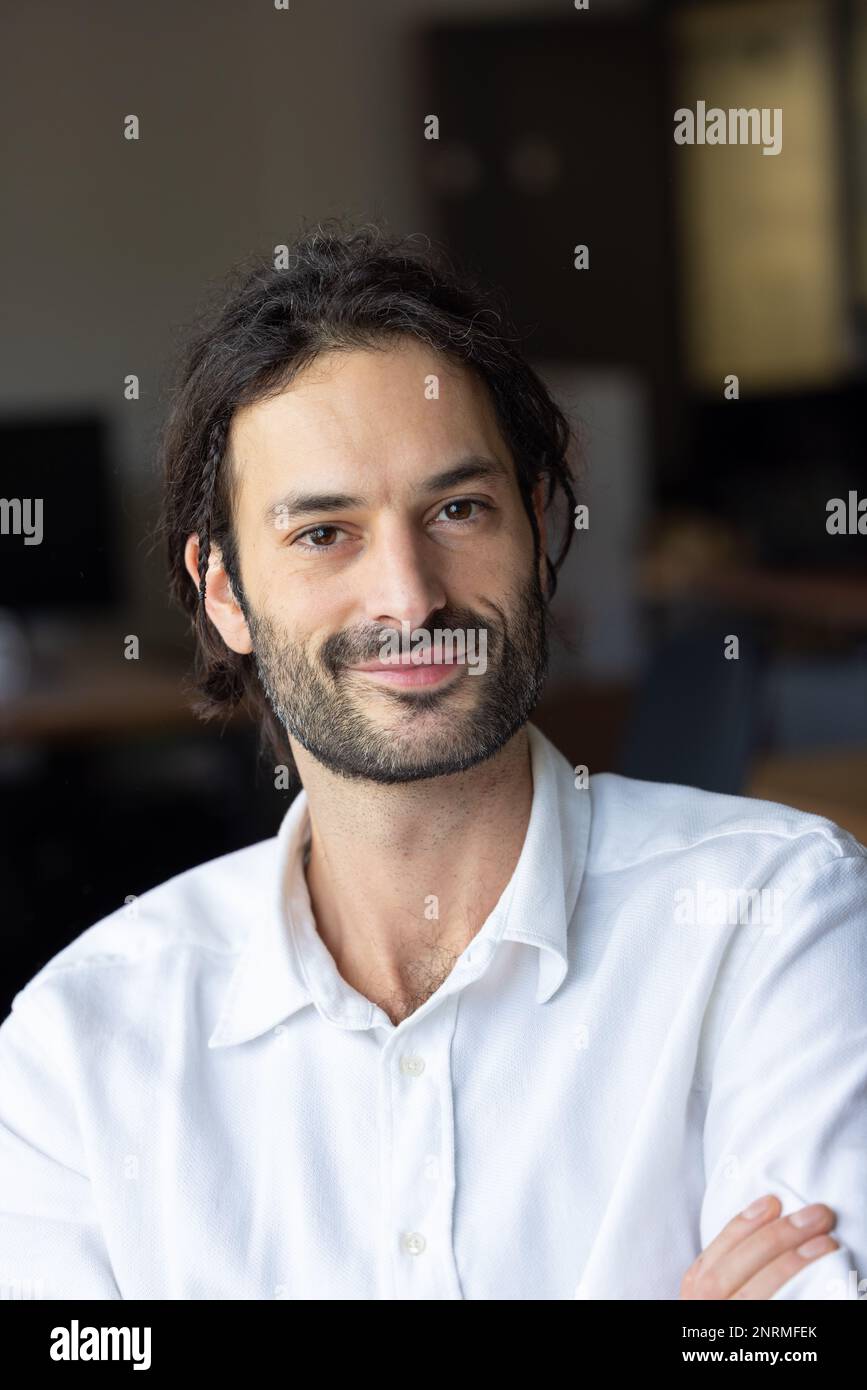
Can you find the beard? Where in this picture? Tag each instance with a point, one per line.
(391, 736)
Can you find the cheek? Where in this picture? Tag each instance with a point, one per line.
(511, 558)
(306, 615)
(275, 588)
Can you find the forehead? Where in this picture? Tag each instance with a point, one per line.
(363, 419)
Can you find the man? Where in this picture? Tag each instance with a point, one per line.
(469, 1026)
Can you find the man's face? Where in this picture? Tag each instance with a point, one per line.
(356, 550)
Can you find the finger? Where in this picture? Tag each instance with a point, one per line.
(737, 1230)
(768, 1280)
(766, 1245)
(731, 1270)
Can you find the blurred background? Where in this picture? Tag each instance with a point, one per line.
(708, 497)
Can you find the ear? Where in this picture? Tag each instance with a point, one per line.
(539, 510)
(221, 605)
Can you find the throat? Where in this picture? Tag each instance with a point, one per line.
(420, 979)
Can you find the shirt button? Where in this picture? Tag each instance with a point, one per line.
(414, 1242)
(412, 1066)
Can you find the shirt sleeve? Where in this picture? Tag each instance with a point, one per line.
(787, 1103)
(51, 1245)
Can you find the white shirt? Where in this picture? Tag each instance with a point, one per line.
(195, 1104)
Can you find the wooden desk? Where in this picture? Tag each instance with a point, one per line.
(102, 695)
(827, 600)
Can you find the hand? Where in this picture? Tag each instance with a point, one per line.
(755, 1255)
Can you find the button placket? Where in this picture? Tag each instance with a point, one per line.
(411, 1065)
(418, 1227)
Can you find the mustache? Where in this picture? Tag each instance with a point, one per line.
(355, 645)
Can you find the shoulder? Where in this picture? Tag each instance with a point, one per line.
(195, 922)
(766, 883)
(655, 824)
(753, 905)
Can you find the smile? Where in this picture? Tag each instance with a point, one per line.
(421, 674)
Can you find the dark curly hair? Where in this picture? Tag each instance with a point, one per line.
(341, 289)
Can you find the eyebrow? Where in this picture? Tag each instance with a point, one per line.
(470, 469)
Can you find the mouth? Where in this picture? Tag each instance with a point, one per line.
(425, 673)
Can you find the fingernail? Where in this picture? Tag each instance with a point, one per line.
(756, 1208)
(817, 1246)
(807, 1216)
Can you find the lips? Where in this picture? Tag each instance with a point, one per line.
(398, 665)
(416, 673)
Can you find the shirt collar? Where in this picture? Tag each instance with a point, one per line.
(269, 982)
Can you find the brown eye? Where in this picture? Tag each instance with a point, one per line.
(323, 537)
(462, 502)
(318, 533)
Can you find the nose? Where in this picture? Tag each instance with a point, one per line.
(402, 583)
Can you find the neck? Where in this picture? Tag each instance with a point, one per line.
(402, 877)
